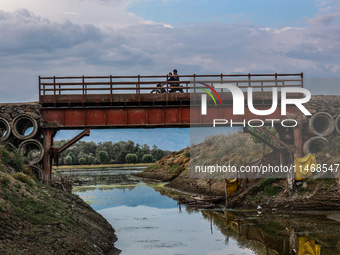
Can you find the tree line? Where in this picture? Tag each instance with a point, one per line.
(91, 153)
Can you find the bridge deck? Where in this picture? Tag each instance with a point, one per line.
(126, 101)
(128, 90)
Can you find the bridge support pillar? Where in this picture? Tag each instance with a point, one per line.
(298, 141)
(48, 135)
(284, 154)
(297, 131)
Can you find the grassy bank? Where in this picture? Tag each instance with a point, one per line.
(100, 166)
(239, 149)
(39, 219)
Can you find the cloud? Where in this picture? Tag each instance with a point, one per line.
(23, 32)
(32, 45)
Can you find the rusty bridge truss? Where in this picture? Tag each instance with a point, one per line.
(127, 101)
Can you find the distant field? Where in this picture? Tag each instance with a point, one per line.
(100, 166)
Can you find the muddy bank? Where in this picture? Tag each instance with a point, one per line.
(174, 169)
(38, 219)
(309, 194)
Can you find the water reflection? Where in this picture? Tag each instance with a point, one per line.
(148, 222)
(103, 176)
(269, 233)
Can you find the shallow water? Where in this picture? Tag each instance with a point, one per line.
(147, 222)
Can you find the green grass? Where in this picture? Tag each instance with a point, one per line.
(172, 168)
(5, 180)
(153, 167)
(24, 178)
(267, 182)
(255, 189)
(30, 210)
(12, 159)
(272, 190)
(266, 187)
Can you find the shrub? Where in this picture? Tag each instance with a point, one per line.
(147, 158)
(24, 178)
(27, 170)
(91, 159)
(5, 180)
(103, 157)
(12, 159)
(131, 158)
(82, 161)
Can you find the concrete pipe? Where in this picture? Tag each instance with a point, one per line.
(15, 141)
(37, 172)
(32, 150)
(9, 146)
(5, 130)
(25, 127)
(337, 124)
(314, 144)
(321, 124)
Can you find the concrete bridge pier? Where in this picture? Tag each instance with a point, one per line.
(48, 135)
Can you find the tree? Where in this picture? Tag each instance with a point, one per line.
(117, 152)
(73, 158)
(131, 158)
(108, 147)
(91, 159)
(158, 153)
(147, 158)
(68, 160)
(136, 148)
(145, 149)
(130, 145)
(121, 157)
(82, 161)
(81, 154)
(103, 157)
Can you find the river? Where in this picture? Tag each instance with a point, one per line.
(147, 222)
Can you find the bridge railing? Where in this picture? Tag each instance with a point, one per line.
(117, 85)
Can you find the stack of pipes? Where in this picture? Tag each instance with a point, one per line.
(24, 133)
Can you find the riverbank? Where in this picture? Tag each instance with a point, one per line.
(149, 222)
(270, 193)
(39, 219)
(67, 167)
(174, 169)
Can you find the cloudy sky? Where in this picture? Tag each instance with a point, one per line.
(117, 37)
(103, 37)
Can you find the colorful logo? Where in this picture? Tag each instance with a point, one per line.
(213, 90)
